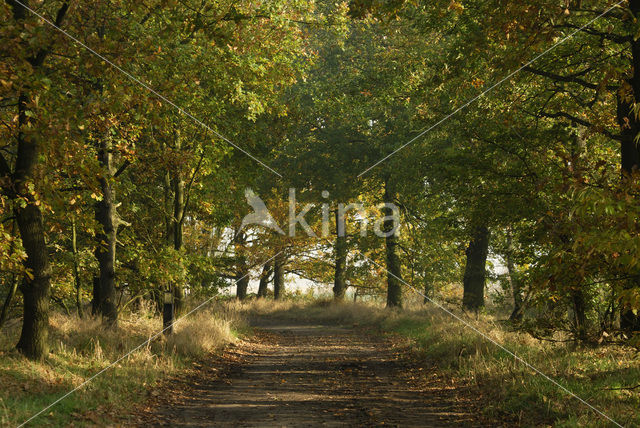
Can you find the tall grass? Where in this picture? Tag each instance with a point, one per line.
(319, 311)
(512, 392)
(83, 347)
(595, 374)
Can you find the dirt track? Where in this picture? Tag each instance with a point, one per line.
(293, 375)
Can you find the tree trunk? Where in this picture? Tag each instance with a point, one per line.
(76, 270)
(241, 268)
(629, 150)
(178, 222)
(628, 122)
(168, 208)
(242, 284)
(475, 270)
(35, 287)
(340, 249)
(579, 312)
(264, 281)
(160, 293)
(427, 292)
(394, 273)
(278, 277)
(514, 282)
(13, 287)
(95, 299)
(105, 252)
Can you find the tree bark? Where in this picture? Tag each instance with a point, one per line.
(105, 251)
(76, 270)
(514, 282)
(278, 277)
(427, 292)
(241, 268)
(394, 273)
(475, 270)
(95, 299)
(628, 122)
(579, 312)
(36, 285)
(160, 293)
(242, 284)
(629, 150)
(340, 250)
(178, 222)
(264, 281)
(168, 208)
(13, 287)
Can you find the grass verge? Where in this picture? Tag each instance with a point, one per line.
(517, 392)
(601, 375)
(83, 347)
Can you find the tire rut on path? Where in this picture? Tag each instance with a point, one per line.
(295, 375)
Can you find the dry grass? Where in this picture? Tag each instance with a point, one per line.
(205, 332)
(82, 347)
(513, 391)
(320, 311)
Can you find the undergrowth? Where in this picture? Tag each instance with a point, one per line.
(82, 347)
(602, 376)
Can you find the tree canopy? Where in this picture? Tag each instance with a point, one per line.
(505, 133)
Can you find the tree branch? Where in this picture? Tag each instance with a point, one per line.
(120, 170)
(568, 79)
(20, 13)
(616, 38)
(189, 185)
(565, 115)
(5, 170)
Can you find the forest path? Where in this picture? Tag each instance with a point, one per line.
(295, 375)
